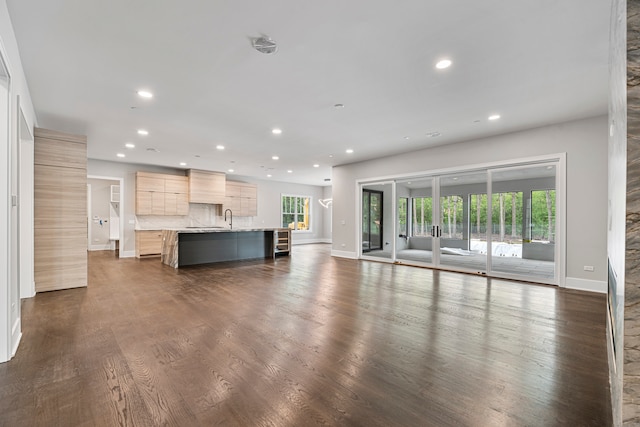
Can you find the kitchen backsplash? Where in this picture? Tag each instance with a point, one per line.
(200, 215)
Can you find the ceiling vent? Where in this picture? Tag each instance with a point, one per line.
(265, 45)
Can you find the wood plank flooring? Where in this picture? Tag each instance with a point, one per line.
(306, 340)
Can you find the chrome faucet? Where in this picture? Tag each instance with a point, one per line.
(230, 218)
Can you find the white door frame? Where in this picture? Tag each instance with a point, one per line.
(120, 209)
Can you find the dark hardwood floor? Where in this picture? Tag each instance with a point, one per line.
(306, 340)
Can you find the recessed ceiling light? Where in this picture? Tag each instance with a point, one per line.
(153, 150)
(143, 132)
(219, 147)
(130, 145)
(494, 117)
(276, 131)
(120, 154)
(183, 164)
(339, 105)
(145, 94)
(442, 64)
(268, 175)
(433, 134)
(330, 155)
(231, 170)
(275, 157)
(349, 151)
(316, 165)
(406, 137)
(289, 171)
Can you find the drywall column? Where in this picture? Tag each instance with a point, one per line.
(60, 210)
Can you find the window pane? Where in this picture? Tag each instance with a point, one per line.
(452, 216)
(543, 215)
(422, 216)
(402, 215)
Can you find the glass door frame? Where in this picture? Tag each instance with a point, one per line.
(391, 222)
(557, 159)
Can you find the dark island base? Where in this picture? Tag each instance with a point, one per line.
(204, 248)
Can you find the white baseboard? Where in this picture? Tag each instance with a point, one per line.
(586, 285)
(309, 241)
(16, 336)
(344, 254)
(103, 247)
(127, 254)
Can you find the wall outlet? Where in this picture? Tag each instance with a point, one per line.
(343, 222)
(588, 268)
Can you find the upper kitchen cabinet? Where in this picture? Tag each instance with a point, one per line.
(241, 198)
(160, 194)
(206, 187)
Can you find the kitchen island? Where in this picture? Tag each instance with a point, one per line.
(191, 246)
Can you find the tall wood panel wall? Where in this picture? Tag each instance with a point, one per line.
(60, 210)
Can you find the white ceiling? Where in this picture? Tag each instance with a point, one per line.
(534, 63)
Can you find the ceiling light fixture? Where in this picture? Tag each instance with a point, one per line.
(143, 132)
(183, 164)
(349, 151)
(145, 94)
(265, 45)
(219, 147)
(406, 138)
(269, 175)
(316, 165)
(130, 145)
(339, 105)
(289, 171)
(275, 157)
(445, 63)
(494, 117)
(120, 154)
(231, 170)
(276, 131)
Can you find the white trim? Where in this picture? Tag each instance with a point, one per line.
(309, 241)
(344, 254)
(598, 286)
(103, 247)
(311, 214)
(127, 254)
(16, 343)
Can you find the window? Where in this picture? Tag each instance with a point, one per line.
(402, 215)
(296, 212)
(421, 216)
(451, 216)
(542, 224)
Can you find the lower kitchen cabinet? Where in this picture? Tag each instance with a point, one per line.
(148, 243)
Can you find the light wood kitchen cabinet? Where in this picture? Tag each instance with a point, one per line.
(176, 204)
(241, 198)
(60, 210)
(148, 243)
(161, 194)
(206, 187)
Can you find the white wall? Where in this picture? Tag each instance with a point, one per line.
(10, 330)
(268, 202)
(584, 141)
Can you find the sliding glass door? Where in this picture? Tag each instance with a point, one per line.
(523, 222)
(462, 205)
(372, 220)
(499, 221)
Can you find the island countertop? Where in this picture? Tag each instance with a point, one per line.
(182, 246)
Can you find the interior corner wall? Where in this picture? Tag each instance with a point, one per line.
(585, 144)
